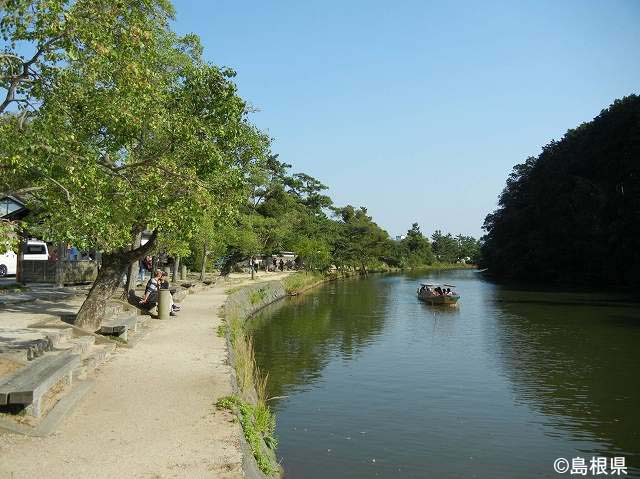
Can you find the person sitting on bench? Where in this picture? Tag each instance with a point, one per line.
(150, 298)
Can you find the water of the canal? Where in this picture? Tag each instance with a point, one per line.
(378, 384)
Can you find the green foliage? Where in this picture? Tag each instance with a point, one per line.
(359, 238)
(445, 247)
(221, 330)
(11, 288)
(130, 128)
(314, 252)
(296, 282)
(258, 425)
(418, 248)
(571, 214)
(256, 296)
(8, 237)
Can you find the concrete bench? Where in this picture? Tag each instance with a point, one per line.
(29, 384)
(119, 326)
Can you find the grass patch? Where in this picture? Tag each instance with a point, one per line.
(258, 424)
(233, 290)
(296, 282)
(14, 287)
(256, 296)
(442, 266)
(221, 331)
(245, 361)
(117, 339)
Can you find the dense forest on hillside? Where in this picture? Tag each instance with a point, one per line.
(572, 214)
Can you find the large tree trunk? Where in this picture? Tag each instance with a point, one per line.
(114, 265)
(20, 261)
(132, 275)
(60, 265)
(363, 269)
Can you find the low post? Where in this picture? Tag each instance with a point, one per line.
(164, 303)
(183, 272)
(176, 269)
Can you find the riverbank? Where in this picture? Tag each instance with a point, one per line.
(249, 399)
(152, 410)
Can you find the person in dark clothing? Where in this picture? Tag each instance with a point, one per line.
(150, 298)
(281, 265)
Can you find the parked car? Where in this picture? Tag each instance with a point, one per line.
(8, 264)
(34, 250)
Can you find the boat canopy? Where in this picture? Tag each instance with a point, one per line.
(434, 285)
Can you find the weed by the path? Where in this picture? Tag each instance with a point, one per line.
(257, 295)
(220, 332)
(258, 425)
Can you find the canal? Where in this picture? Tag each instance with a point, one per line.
(370, 382)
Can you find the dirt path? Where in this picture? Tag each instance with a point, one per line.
(151, 413)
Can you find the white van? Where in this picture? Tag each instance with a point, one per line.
(34, 250)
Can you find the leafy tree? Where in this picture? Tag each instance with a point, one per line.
(418, 247)
(8, 236)
(315, 253)
(360, 240)
(468, 249)
(308, 190)
(571, 214)
(128, 129)
(445, 247)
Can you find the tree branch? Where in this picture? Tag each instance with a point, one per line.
(25, 76)
(21, 191)
(142, 250)
(66, 191)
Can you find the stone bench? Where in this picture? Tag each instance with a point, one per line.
(29, 384)
(120, 326)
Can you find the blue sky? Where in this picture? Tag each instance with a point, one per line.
(418, 110)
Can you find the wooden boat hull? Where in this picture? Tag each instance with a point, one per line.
(448, 300)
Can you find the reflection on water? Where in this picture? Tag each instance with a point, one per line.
(575, 363)
(378, 384)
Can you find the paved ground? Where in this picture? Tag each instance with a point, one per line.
(151, 413)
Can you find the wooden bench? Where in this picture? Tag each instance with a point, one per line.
(29, 384)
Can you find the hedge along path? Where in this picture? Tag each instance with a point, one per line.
(156, 416)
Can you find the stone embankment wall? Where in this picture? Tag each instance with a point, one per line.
(240, 305)
(247, 300)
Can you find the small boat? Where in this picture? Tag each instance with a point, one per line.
(438, 294)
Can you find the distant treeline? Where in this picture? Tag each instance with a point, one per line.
(572, 214)
(291, 212)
